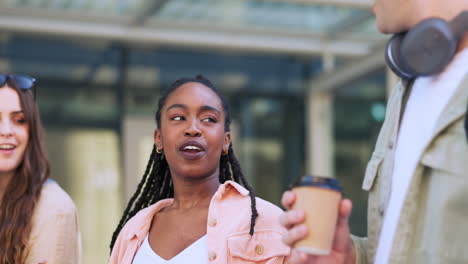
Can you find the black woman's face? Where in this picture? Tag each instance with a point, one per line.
(192, 131)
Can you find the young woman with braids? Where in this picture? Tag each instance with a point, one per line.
(193, 204)
(38, 220)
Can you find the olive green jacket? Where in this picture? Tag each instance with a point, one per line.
(433, 225)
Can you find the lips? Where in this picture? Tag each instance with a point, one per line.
(7, 148)
(192, 150)
(192, 146)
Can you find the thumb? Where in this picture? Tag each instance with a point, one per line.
(342, 235)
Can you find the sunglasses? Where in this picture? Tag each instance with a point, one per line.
(24, 82)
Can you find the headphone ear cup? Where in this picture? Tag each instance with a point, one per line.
(428, 47)
(466, 123)
(393, 56)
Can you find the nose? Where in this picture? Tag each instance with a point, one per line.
(5, 129)
(192, 130)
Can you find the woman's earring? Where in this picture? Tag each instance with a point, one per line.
(224, 153)
(159, 151)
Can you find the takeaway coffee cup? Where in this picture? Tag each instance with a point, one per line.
(319, 198)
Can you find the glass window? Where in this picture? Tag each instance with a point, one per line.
(359, 109)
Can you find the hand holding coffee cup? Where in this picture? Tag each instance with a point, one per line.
(343, 249)
(319, 198)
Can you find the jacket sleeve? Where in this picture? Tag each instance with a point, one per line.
(360, 247)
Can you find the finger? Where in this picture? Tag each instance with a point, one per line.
(299, 257)
(290, 218)
(342, 235)
(295, 234)
(288, 199)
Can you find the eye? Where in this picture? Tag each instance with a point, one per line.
(177, 118)
(209, 119)
(19, 120)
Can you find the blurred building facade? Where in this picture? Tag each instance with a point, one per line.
(306, 82)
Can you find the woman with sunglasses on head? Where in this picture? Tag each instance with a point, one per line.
(38, 220)
(193, 204)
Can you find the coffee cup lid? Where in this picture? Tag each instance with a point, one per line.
(317, 181)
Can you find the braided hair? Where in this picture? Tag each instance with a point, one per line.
(156, 183)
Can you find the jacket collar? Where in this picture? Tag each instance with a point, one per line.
(455, 108)
(230, 186)
(144, 218)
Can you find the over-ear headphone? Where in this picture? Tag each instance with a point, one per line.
(427, 48)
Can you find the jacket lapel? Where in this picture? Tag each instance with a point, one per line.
(455, 109)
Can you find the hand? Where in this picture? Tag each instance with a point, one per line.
(293, 220)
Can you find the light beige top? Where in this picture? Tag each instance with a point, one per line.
(55, 235)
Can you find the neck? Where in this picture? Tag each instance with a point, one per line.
(194, 193)
(5, 178)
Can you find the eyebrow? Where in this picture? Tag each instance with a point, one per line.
(14, 113)
(176, 106)
(203, 108)
(210, 108)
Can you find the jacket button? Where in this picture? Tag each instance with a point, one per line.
(259, 249)
(381, 212)
(390, 144)
(211, 255)
(212, 222)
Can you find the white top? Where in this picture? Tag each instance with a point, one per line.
(428, 98)
(196, 253)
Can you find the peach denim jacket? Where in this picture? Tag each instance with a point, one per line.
(228, 228)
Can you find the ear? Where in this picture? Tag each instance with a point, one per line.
(157, 139)
(227, 141)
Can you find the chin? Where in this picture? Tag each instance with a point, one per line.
(195, 173)
(390, 29)
(387, 27)
(7, 167)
